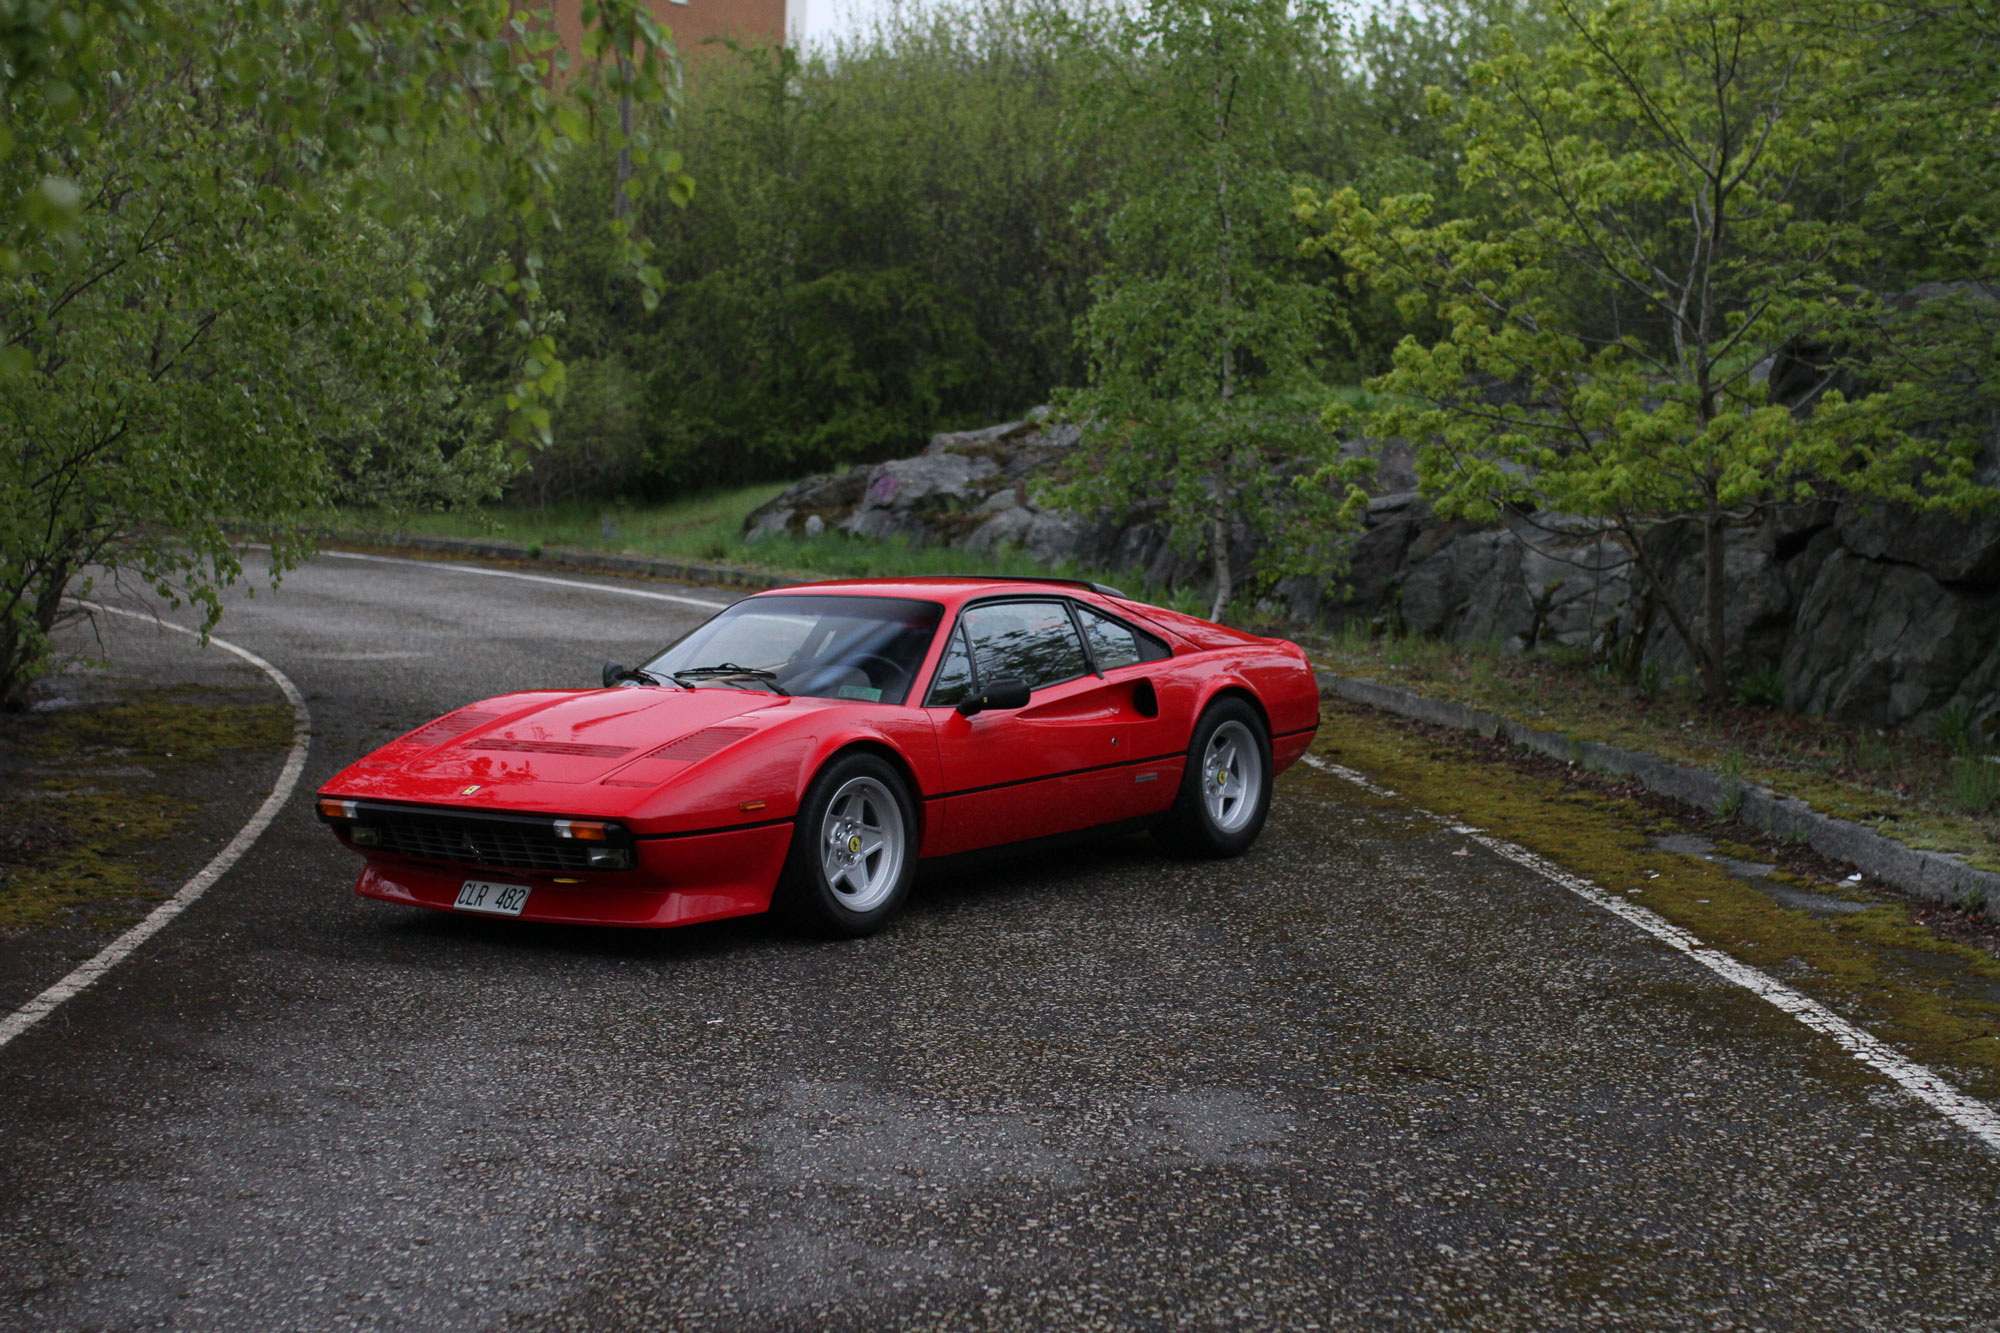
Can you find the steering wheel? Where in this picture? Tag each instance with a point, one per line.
(896, 673)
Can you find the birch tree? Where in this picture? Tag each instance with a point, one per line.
(1203, 330)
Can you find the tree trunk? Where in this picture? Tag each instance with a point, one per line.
(621, 203)
(1226, 360)
(1219, 541)
(1713, 657)
(24, 646)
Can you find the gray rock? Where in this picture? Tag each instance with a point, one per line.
(1887, 644)
(768, 521)
(1375, 564)
(1049, 536)
(1871, 614)
(1756, 614)
(904, 496)
(1943, 547)
(1499, 608)
(826, 496)
(958, 440)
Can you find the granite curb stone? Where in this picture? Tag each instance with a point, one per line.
(1933, 876)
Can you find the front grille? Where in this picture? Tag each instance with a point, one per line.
(469, 840)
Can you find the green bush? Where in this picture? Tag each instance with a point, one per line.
(1975, 782)
(1761, 688)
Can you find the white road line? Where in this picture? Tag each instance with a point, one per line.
(531, 578)
(35, 1010)
(1968, 1113)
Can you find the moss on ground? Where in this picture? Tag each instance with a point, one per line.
(1900, 785)
(106, 788)
(1880, 967)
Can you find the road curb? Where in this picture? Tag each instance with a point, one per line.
(679, 571)
(1933, 876)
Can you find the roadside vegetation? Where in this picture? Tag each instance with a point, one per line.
(1940, 791)
(708, 529)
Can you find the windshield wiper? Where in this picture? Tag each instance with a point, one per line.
(615, 672)
(725, 670)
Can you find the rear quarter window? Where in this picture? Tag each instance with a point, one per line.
(1113, 643)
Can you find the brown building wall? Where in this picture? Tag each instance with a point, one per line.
(693, 22)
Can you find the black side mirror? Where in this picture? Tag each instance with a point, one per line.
(613, 673)
(1006, 692)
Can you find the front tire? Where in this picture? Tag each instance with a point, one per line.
(1225, 788)
(854, 850)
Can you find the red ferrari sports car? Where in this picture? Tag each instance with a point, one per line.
(807, 747)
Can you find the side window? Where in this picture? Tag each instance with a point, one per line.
(954, 674)
(1032, 640)
(1113, 643)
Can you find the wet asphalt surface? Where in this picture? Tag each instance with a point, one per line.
(1350, 1080)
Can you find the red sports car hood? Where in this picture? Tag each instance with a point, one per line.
(570, 737)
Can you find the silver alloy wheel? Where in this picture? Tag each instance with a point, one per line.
(1232, 776)
(861, 844)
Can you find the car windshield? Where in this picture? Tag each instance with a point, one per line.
(829, 646)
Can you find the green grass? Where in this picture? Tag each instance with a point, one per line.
(708, 528)
(1920, 790)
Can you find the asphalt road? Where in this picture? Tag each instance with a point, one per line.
(1352, 1080)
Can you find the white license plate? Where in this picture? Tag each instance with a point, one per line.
(493, 899)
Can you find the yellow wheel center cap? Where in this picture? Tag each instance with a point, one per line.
(854, 843)
(1221, 777)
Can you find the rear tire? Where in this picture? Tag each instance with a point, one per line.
(1225, 790)
(854, 850)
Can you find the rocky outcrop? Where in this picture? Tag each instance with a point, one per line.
(1866, 613)
(967, 488)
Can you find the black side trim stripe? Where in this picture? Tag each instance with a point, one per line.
(703, 832)
(963, 791)
(1050, 777)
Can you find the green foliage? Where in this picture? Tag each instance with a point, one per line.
(886, 242)
(1201, 335)
(882, 248)
(1955, 728)
(1975, 783)
(231, 306)
(1762, 688)
(1730, 804)
(1659, 204)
